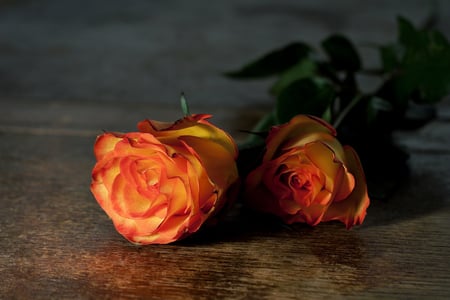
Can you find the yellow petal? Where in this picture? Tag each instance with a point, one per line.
(218, 162)
(324, 159)
(180, 201)
(351, 210)
(195, 125)
(297, 129)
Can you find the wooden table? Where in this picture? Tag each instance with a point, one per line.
(56, 242)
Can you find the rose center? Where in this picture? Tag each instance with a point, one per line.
(297, 183)
(152, 179)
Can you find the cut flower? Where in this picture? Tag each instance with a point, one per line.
(307, 176)
(160, 184)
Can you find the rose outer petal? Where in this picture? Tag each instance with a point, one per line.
(104, 144)
(312, 215)
(195, 126)
(215, 159)
(352, 210)
(298, 128)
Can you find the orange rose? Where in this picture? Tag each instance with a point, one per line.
(162, 183)
(307, 176)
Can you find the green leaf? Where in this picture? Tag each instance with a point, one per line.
(389, 57)
(430, 75)
(408, 35)
(437, 39)
(425, 66)
(303, 69)
(420, 65)
(273, 62)
(304, 96)
(343, 55)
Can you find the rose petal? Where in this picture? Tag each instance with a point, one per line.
(174, 228)
(180, 199)
(351, 210)
(344, 186)
(312, 215)
(104, 144)
(324, 159)
(107, 172)
(289, 205)
(297, 129)
(195, 126)
(152, 126)
(218, 162)
(139, 231)
(125, 204)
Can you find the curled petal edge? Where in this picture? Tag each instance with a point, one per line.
(352, 210)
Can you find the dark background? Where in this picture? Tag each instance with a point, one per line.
(150, 51)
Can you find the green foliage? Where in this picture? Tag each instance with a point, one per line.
(389, 57)
(419, 65)
(273, 63)
(414, 73)
(306, 68)
(415, 67)
(342, 54)
(304, 96)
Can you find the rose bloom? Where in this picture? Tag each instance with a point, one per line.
(162, 183)
(307, 176)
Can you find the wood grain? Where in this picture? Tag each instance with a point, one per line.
(56, 242)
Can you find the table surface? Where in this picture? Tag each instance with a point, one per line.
(56, 241)
(70, 69)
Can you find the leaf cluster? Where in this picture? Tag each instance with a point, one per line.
(413, 74)
(415, 69)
